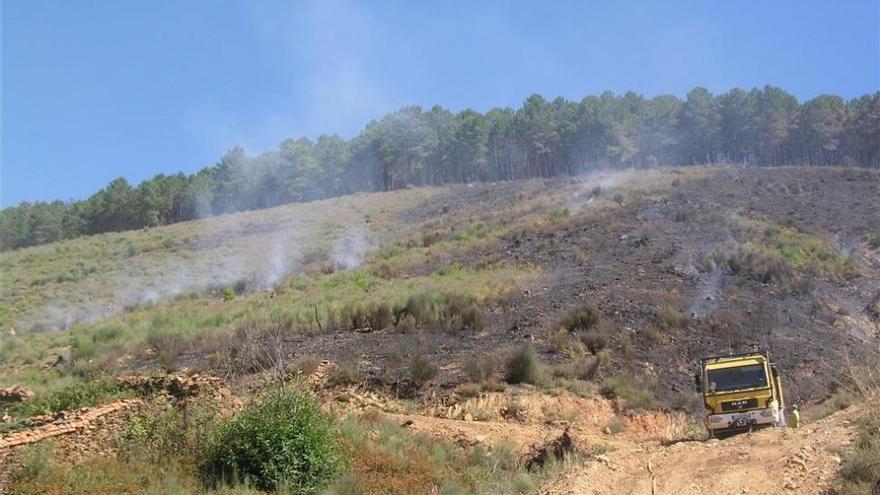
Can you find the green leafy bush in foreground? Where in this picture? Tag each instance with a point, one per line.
(282, 442)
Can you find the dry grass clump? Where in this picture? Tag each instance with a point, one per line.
(305, 365)
(860, 471)
(451, 311)
(581, 319)
(374, 316)
(421, 369)
(636, 392)
(524, 366)
(480, 368)
(388, 459)
(344, 374)
(669, 318)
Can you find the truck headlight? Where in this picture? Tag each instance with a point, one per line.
(766, 413)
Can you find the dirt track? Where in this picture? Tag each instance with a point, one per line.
(803, 461)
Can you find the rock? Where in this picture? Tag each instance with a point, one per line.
(15, 393)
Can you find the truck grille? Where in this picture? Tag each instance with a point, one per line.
(739, 405)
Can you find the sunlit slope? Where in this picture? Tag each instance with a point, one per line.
(86, 279)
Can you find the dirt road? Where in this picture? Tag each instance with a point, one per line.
(803, 461)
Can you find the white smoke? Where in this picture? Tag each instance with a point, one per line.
(253, 251)
(596, 184)
(349, 251)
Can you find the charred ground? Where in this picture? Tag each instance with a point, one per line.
(694, 264)
(429, 308)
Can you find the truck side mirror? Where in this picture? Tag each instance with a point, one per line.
(698, 383)
(774, 371)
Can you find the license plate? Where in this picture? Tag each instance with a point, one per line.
(742, 421)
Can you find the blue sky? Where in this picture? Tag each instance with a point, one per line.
(93, 90)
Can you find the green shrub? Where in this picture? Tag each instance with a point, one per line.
(375, 316)
(581, 368)
(452, 311)
(228, 294)
(83, 348)
(463, 313)
(34, 460)
(558, 215)
(283, 442)
(669, 318)
(74, 396)
(168, 435)
(108, 333)
(765, 267)
(524, 366)
(638, 393)
(861, 469)
(581, 319)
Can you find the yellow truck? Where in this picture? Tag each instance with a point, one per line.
(741, 392)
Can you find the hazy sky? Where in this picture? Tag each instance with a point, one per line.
(93, 90)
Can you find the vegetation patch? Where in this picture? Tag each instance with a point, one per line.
(637, 392)
(74, 394)
(860, 472)
(524, 366)
(282, 441)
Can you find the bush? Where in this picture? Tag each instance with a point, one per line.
(74, 396)
(670, 318)
(595, 342)
(861, 469)
(33, 461)
(305, 365)
(228, 294)
(83, 348)
(615, 425)
(283, 442)
(344, 374)
(375, 316)
(763, 267)
(581, 319)
(524, 366)
(257, 346)
(168, 344)
(454, 312)
(421, 369)
(638, 393)
(168, 435)
(582, 368)
(559, 214)
(463, 313)
(479, 369)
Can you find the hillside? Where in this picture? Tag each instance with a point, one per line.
(619, 280)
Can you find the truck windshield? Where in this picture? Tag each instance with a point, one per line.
(738, 378)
